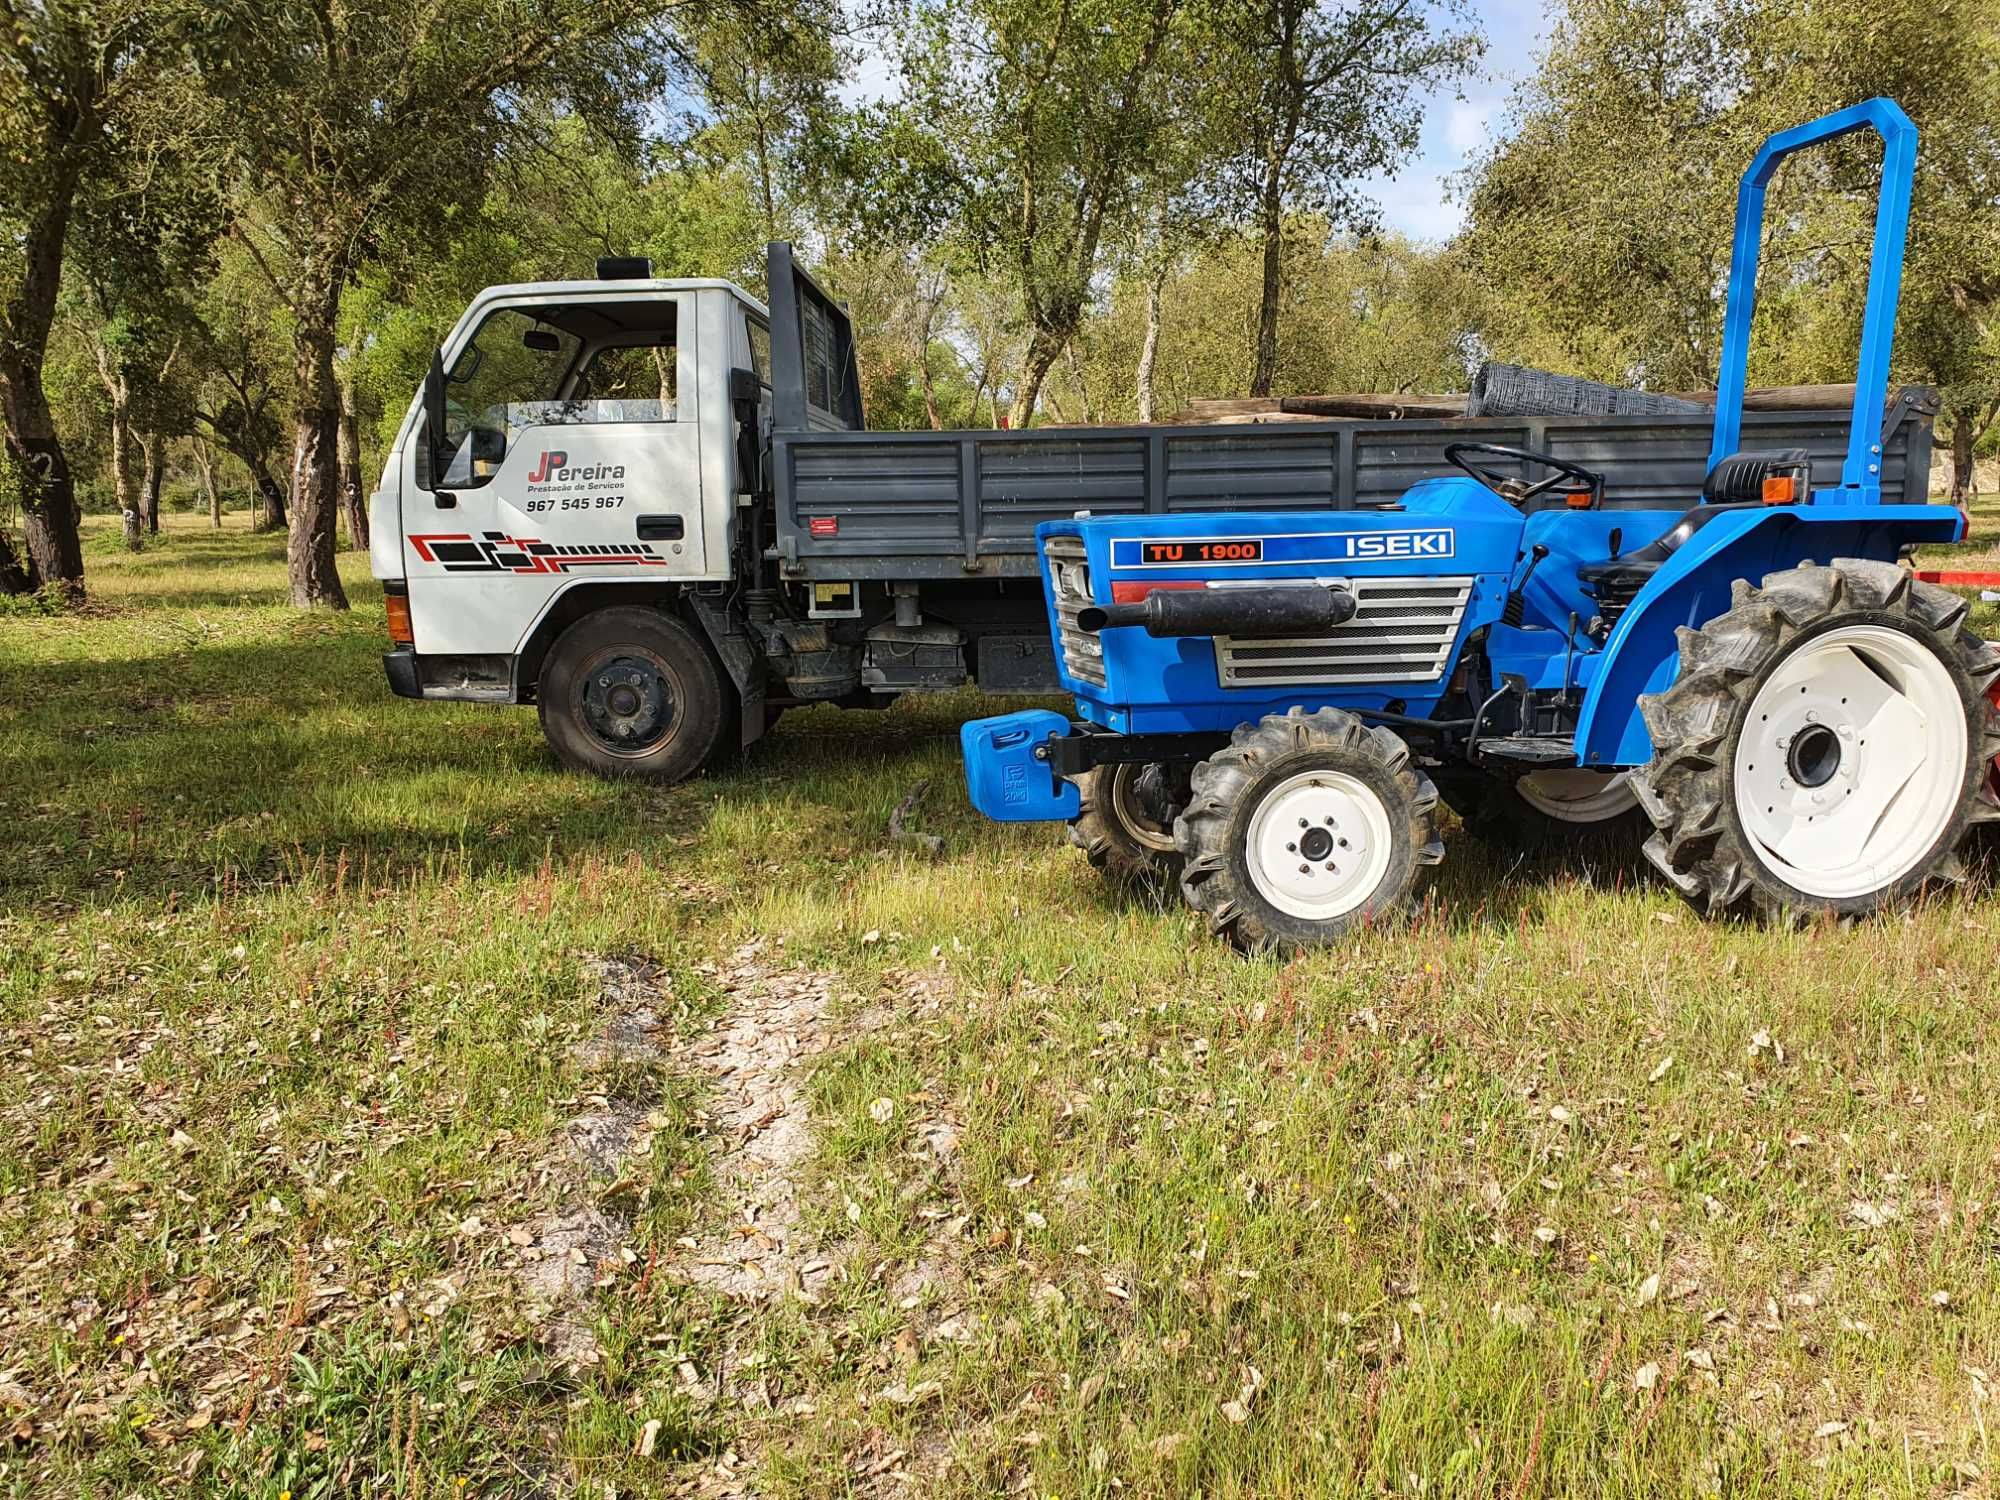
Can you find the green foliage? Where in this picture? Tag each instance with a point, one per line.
(1601, 224)
(1372, 314)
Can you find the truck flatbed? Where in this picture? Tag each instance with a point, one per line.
(872, 506)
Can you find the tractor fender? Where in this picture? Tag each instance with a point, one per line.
(1693, 586)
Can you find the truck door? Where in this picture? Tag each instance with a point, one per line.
(571, 450)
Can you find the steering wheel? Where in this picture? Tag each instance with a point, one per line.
(1519, 491)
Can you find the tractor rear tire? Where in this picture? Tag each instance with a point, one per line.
(1763, 788)
(1549, 808)
(1306, 828)
(633, 694)
(1114, 830)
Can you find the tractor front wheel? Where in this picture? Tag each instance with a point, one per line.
(1826, 747)
(1307, 827)
(1124, 822)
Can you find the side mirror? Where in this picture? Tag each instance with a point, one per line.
(434, 416)
(744, 386)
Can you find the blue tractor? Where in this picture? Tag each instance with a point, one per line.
(1271, 704)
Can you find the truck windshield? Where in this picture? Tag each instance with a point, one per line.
(590, 362)
(514, 361)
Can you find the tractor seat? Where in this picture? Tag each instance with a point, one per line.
(1740, 481)
(1626, 572)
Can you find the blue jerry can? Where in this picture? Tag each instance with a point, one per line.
(1005, 780)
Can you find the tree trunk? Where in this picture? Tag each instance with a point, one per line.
(315, 493)
(1962, 439)
(1149, 351)
(44, 493)
(149, 488)
(204, 464)
(1264, 367)
(270, 494)
(353, 498)
(124, 482)
(931, 413)
(1044, 349)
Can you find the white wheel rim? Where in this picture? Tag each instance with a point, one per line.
(1851, 761)
(1319, 845)
(1131, 816)
(1572, 794)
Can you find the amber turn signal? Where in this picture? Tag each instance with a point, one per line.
(399, 619)
(1780, 489)
(1579, 499)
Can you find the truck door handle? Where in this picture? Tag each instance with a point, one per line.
(446, 500)
(661, 528)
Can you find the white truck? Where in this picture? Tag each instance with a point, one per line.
(649, 508)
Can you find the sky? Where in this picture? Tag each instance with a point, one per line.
(1414, 200)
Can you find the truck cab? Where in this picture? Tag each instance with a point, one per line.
(580, 444)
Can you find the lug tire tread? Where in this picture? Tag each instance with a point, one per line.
(1213, 880)
(1687, 787)
(1106, 842)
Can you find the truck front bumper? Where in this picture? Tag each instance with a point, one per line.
(468, 679)
(401, 669)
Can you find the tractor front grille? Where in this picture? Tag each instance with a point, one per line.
(1083, 653)
(1403, 630)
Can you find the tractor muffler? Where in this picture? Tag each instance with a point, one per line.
(1246, 613)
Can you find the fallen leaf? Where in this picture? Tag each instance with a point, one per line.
(882, 1110)
(649, 1437)
(1649, 1289)
(1829, 1429)
(1660, 1069)
(1646, 1376)
(1236, 1411)
(1167, 1446)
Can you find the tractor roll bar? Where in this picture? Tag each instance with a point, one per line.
(1861, 475)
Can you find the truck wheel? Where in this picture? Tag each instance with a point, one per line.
(632, 693)
(1553, 806)
(1117, 829)
(1307, 827)
(1827, 745)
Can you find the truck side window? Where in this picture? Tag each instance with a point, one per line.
(760, 349)
(514, 364)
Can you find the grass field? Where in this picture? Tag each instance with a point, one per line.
(384, 1112)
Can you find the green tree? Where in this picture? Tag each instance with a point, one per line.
(87, 88)
(1602, 225)
(1018, 146)
(1321, 96)
(365, 133)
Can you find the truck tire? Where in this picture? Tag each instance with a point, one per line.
(1307, 827)
(1115, 831)
(1827, 747)
(1548, 808)
(632, 693)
